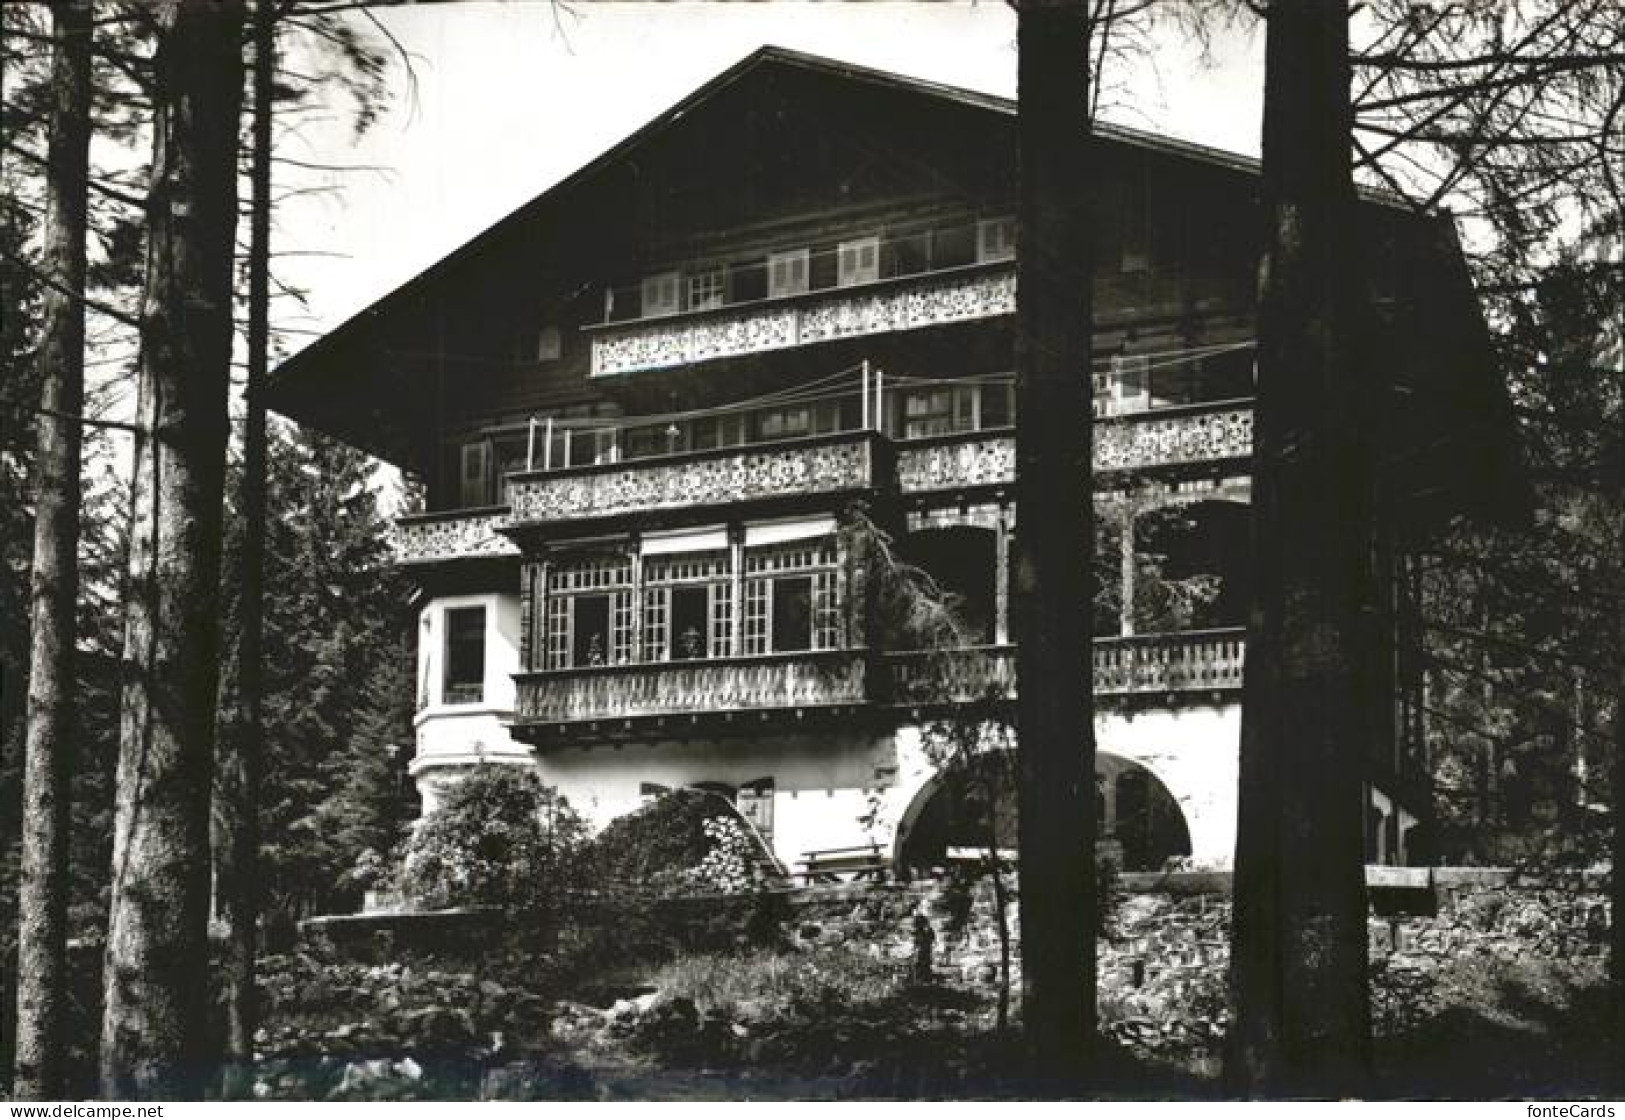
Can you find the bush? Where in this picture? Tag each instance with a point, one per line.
(500, 838)
(684, 840)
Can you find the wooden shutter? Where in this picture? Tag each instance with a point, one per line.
(660, 294)
(787, 273)
(857, 262)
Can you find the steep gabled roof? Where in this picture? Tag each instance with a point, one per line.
(768, 57)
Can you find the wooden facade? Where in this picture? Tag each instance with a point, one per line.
(652, 408)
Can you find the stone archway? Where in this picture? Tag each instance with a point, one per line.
(1140, 826)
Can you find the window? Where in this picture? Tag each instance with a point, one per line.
(549, 344)
(660, 294)
(707, 289)
(589, 613)
(857, 262)
(787, 273)
(995, 239)
(510, 455)
(755, 803)
(783, 423)
(790, 598)
(791, 615)
(465, 656)
(687, 607)
(940, 411)
(473, 477)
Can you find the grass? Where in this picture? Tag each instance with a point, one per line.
(722, 982)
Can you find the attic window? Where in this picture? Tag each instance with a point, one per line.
(858, 262)
(706, 289)
(995, 239)
(787, 273)
(660, 294)
(549, 344)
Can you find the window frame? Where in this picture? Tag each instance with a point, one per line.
(789, 272)
(462, 691)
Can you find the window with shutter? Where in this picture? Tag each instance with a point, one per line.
(995, 239)
(660, 294)
(857, 262)
(787, 273)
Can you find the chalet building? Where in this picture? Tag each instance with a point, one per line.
(671, 415)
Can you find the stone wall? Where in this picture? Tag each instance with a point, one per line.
(1178, 929)
(1166, 938)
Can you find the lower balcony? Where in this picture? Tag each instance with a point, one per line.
(772, 682)
(1149, 665)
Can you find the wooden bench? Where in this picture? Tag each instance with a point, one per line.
(862, 863)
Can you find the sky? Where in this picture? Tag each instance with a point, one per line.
(511, 97)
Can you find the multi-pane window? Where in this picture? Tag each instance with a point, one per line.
(791, 598)
(687, 607)
(464, 681)
(589, 613)
(940, 411)
(707, 289)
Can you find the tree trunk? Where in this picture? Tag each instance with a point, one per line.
(43, 891)
(1054, 568)
(239, 785)
(1298, 973)
(1617, 876)
(154, 1028)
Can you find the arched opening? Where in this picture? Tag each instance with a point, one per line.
(963, 561)
(962, 812)
(1191, 567)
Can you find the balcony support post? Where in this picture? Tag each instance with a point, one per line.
(736, 576)
(1001, 574)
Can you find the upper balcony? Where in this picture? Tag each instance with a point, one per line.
(801, 294)
(904, 303)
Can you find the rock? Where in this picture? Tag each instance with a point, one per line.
(409, 1069)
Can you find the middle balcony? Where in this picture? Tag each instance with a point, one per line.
(813, 467)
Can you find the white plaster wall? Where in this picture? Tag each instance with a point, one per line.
(1195, 752)
(822, 782)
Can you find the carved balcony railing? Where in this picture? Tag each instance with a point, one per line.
(1153, 664)
(432, 538)
(905, 303)
(745, 684)
(1202, 661)
(1164, 437)
(818, 465)
(1197, 433)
